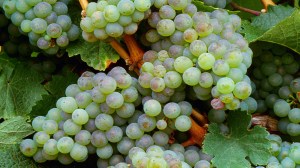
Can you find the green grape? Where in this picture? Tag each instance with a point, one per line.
(104, 122)
(198, 47)
(183, 123)
(80, 117)
(38, 25)
(97, 20)
(37, 123)
(165, 27)
(167, 12)
(191, 76)
(152, 107)
(142, 5)
(178, 4)
(114, 29)
(126, 7)
(105, 152)
(42, 9)
(182, 63)
(50, 126)
(28, 147)
(221, 67)
(234, 58)
(206, 61)
(65, 145)
(242, 90)
(91, 8)
(71, 128)
(226, 85)
(68, 104)
(281, 108)
(133, 131)
(79, 152)
(111, 13)
(50, 147)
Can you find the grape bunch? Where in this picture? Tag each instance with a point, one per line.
(200, 50)
(100, 114)
(46, 23)
(274, 74)
(113, 18)
(217, 3)
(13, 42)
(284, 154)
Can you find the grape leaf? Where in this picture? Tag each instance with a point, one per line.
(12, 157)
(56, 89)
(232, 150)
(261, 24)
(98, 55)
(20, 88)
(13, 130)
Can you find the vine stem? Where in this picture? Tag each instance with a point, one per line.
(238, 7)
(197, 134)
(266, 3)
(83, 4)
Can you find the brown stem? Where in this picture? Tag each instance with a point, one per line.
(120, 50)
(135, 51)
(83, 4)
(266, 3)
(266, 121)
(197, 134)
(202, 119)
(238, 7)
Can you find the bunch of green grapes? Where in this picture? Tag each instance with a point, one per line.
(113, 18)
(101, 115)
(46, 23)
(201, 50)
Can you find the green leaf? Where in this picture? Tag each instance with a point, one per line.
(241, 146)
(20, 88)
(12, 131)
(56, 88)
(98, 55)
(12, 157)
(261, 24)
(286, 33)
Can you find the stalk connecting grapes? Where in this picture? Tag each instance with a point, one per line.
(46, 23)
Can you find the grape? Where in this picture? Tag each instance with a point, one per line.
(38, 157)
(133, 131)
(225, 85)
(142, 5)
(242, 90)
(137, 16)
(105, 152)
(104, 122)
(92, 110)
(83, 137)
(172, 79)
(172, 110)
(71, 128)
(80, 117)
(144, 142)
(157, 162)
(198, 47)
(28, 147)
(165, 27)
(221, 67)
(293, 129)
(294, 115)
(275, 79)
(114, 100)
(116, 159)
(202, 164)
(42, 9)
(125, 145)
(191, 157)
(152, 107)
(65, 145)
(126, 7)
(9, 7)
(41, 138)
(50, 147)
(157, 84)
(64, 21)
(49, 19)
(160, 138)
(83, 99)
(50, 126)
(123, 80)
(146, 123)
(183, 123)
(73, 33)
(178, 4)
(64, 159)
(25, 26)
(281, 108)
(167, 12)
(191, 76)
(126, 110)
(59, 134)
(107, 85)
(106, 109)
(288, 162)
(37, 123)
(38, 25)
(295, 85)
(161, 124)
(114, 134)
(60, 8)
(62, 41)
(130, 94)
(98, 139)
(68, 104)
(79, 152)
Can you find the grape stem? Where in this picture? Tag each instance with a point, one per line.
(201, 118)
(238, 7)
(266, 3)
(266, 121)
(197, 134)
(135, 51)
(83, 4)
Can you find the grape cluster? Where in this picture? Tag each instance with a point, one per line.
(198, 49)
(113, 18)
(284, 154)
(12, 41)
(47, 23)
(274, 75)
(100, 114)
